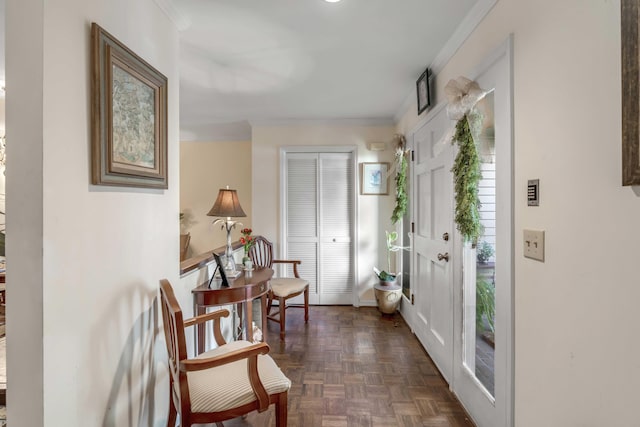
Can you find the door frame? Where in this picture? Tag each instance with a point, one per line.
(507, 317)
(281, 249)
(505, 270)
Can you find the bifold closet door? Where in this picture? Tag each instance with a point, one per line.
(336, 228)
(319, 223)
(302, 216)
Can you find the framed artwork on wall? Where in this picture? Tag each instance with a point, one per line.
(423, 91)
(128, 116)
(630, 93)
(374, 178)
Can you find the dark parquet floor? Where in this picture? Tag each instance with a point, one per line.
(353, 367)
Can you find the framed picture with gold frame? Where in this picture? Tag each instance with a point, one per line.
(374, 178)
(630, 29)
(128, 116)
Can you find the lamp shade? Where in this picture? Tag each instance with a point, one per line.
(227, 204)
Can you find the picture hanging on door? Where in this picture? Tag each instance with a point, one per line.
(374, 178)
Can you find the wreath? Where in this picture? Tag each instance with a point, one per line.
(401, 180)
(463, 95)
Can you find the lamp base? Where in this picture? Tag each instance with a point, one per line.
(230, 266)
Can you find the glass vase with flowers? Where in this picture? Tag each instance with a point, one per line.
(247, 241)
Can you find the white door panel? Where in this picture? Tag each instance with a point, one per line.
(433, 213)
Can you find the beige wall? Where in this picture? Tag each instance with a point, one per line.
(373, 211)
(575, 327)
(205, 167)
(83, 333)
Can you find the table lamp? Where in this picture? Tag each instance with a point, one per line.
(227, 206)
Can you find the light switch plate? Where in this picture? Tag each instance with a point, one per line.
(534, 244)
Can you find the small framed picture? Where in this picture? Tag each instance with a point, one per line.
(422, 90)
(374, 178)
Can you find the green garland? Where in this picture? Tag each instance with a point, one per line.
(466, 174)
(401, 187)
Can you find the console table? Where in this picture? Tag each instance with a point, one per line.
(241, 290)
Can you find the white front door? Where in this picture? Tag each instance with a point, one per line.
(432, 284)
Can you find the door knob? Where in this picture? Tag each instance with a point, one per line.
(445, 237)
(443, 257)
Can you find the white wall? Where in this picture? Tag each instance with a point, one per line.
(576, 358)
(82, 326)
(374, 211)
(205, 167)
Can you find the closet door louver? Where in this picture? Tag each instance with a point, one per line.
(302, 216)
(302, 197)
(336, 213)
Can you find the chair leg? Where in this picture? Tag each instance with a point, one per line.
(269, 303)
(283, 316)
(306, 304)
(173, 414)
(281, 410)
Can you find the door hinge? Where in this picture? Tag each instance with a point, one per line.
(413, 227)
(412, 155)
(413, 300)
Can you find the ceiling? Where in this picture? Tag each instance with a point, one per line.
(272, 61)
(253, 61)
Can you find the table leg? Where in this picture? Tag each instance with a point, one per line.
(263, 312)
(248, 326)
(200, 328)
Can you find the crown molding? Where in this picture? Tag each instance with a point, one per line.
(242, 131)
(215, 132)
(179, 19)
(457, 39)
(381, 121)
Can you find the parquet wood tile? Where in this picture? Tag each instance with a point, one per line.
(353, 367)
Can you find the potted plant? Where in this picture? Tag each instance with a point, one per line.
(485, 305)
(386, 277)
(484, 252)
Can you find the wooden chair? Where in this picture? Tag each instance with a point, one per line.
(282, 288)
(226, 382)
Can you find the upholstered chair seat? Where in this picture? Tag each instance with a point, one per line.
(285, 286)
(226, 387)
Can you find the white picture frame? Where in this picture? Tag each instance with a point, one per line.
(374, 178)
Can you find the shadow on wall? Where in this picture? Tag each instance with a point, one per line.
(365, 285)
(132, 397)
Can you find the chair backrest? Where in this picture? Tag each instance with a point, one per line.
(174, 337)
(261, 252)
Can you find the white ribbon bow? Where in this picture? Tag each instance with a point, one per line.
(463, 94)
